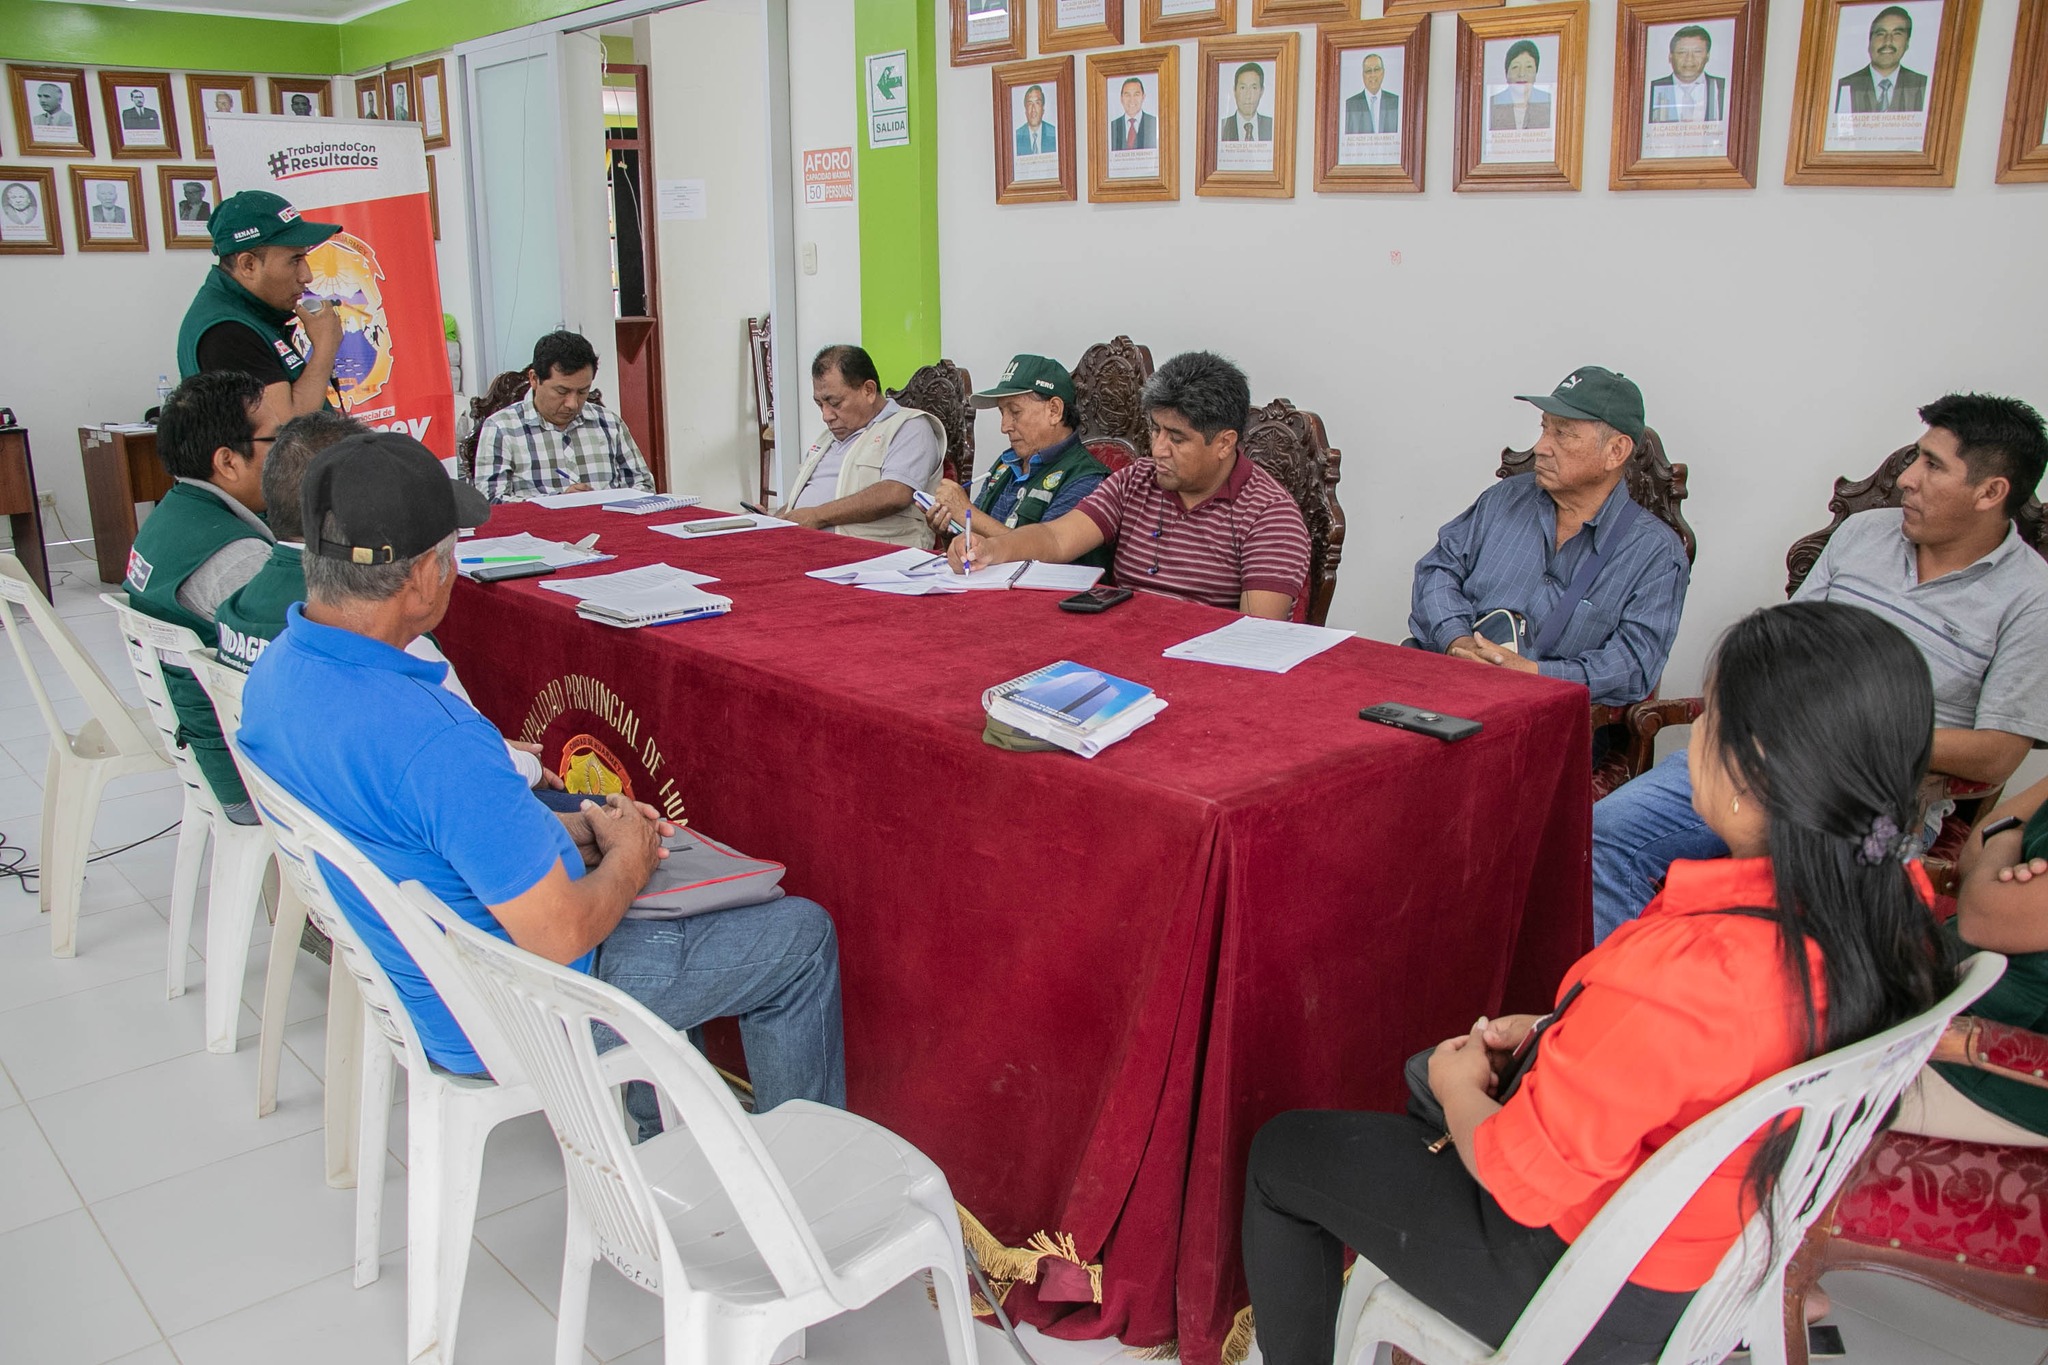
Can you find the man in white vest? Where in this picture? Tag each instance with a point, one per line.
(857, 479)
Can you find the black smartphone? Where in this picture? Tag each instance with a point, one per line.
(1824, 1340)
(492, 573)
(1096, 599)
(746, 506)
(1404, 717)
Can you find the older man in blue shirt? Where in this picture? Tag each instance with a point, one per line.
(1593, 583)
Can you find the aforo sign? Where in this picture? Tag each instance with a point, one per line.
(828, 176)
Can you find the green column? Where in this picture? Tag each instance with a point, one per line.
(899, 195)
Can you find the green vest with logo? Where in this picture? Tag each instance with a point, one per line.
(254, 616)
(1035, 497)
(220, 300)
(187, 528)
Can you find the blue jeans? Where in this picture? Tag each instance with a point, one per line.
(775, 965)
(1638, 832)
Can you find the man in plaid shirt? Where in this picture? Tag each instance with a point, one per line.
(554, 440)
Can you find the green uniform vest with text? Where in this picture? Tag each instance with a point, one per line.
(1035, 497)
(220, 300)
(185, 531)
(254, 616)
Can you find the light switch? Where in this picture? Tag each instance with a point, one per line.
(810, 258)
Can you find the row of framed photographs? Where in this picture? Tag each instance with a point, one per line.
(107, 211)
(1879, 101)
(993, 30)
(52, 116)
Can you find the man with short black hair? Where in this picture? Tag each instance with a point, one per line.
(1948, 567)
(1199, 520)
(1689, 94)
(859, 477)
(242, 317)
(555, 440)
(204, 541)
(340, 715)
(1884, 86)
(1047, 470)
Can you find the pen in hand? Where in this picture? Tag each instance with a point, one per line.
(967, 556)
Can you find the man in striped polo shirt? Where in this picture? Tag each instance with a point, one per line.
(1198, 520)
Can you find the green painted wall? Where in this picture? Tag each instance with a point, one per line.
(392, 35)
(899, 200)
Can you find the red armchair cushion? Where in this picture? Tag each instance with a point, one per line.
(1948, 1199)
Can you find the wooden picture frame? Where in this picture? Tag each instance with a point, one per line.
(1216, 173)
(203, 94)
(979, 38)
(2023, 147)
(1189, 19)
(282, 88)
(1077, 25)
(1047, 175)
(369, 97)
(26, 94)
(1400, 7)
(1342, 166)
(142, 116)
(1827, 123)
(1281, 13)
(401, 99)
(95, 230)
(181, 230)
(1495, 76)
(1124, 176)
(430, 101)
(1658, 144)
(433, 199)
(23, 233)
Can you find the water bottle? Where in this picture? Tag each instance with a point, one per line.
(163, 389)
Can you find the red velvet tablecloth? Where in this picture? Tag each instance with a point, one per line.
(1080, 986)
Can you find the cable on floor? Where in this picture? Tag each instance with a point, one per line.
(11, 867)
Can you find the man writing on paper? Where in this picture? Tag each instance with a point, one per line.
(1046, 471)
(555, 440)
(1197, 521)
(1599, 582)
(858, 478)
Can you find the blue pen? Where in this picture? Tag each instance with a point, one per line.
(967, 556)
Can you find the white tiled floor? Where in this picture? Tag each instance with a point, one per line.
(147, 1217)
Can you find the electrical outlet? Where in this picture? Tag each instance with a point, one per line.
(47, 499)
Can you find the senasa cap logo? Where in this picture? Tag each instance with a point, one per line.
(246, 233)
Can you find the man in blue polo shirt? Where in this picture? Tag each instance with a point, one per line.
(342, 717)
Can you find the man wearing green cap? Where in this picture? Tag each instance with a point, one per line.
(242, 317)
(1593, 583)
(1046, 471)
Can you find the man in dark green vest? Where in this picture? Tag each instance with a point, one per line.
(1046, 471)
(243, 315)
(204, 540)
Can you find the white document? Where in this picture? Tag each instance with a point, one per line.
(1058, 577)
(627, 580)
(901, 586)
(882, 568)
(595, 497)
(996, 576)
(682, 199)
(1253, 642)
(553, 553)
(754, 522)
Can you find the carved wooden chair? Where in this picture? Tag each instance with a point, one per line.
(507, 389)
(1107, 382)
(760, 334)
(1290, 444)
(1658, 487)
(941, 389)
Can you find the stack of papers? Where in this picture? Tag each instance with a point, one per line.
(1081, 710)
(590, 497)
(654, 502)
(1253, 642)
(651, 595)
(920, 573)
(481, 552)
(647, 576)
(722, 526)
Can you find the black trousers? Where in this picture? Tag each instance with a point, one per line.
(1322, 1180)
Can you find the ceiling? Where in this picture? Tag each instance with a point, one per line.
(314, 11)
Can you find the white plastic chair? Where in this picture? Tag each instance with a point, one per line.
(1841, 1098)
(751, 1227)
(118, 741)
(241, 853)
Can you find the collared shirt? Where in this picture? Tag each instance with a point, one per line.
(1372, 100)
(1683, 1009)
(520, 454)
(1037, 131)
(1063, 499)
(1690, 99)
(1983, 629)
(913, 457)
(1502, 552)
(1247, 128)
(229, 567)
(409, 773)
(1247, 536)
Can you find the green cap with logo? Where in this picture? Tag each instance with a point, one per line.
(1029, 374)
(1591, 394)
(256, 218)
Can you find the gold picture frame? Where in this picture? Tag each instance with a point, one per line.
(64, 108)
(1836, 140)
(1501, 97)
(1400, 7)
(1155, 25)
(142, 116)
(1349, 167)
(1281, 13)
(1218, 173)
(401, 98)
(1077, 25)
(1046, 175)
(996, 44)
(430, 101)
(97, 226)
(1662, 141)
(2023, 146)
(370, 97)
(203, 95)
(182, 230)
(319, 92)
(30, 219)
(1117, 174)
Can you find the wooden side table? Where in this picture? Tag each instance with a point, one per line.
(19, 504)
(121, 469)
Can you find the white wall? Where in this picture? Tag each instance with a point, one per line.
(1781, 336)
(824, 113)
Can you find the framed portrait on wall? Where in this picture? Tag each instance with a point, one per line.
(430, 96)
(188, 195)
(1278, 13)
(28, 212)
(1072, 25)
(1034, 123)
(987, 31)
(370, 97)
(106, 208)
(51, 116)
(208, 95)
(1371, 83)
(1688, 82)
(400, 102)
(142, 119)
(2023, 148)
(1245, 137)
(1163, 21)
(301, 98)
(1134, 115)
(1394, 7)
(1521, 93)
(1882, 85)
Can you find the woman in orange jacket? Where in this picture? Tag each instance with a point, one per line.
(1812, 934)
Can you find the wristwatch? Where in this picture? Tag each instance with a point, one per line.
(1998, 827)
